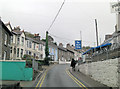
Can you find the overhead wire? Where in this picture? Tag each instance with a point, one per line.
(56, 16)
(66, 39)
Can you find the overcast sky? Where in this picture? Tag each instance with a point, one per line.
(35, 16)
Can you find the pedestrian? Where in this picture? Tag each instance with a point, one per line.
(73, 63)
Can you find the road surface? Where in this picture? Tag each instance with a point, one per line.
(59, 76)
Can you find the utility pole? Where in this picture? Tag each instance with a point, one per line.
(96, 31)
(46, 49)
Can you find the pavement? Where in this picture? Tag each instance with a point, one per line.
(87, 80)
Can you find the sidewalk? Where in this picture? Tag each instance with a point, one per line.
(89, 82)
(9, 84)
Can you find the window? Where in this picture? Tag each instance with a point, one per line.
(18, 40)
(10, 49)
(17, 52)
(5, 39)
(41, 56)
(34, 46)
(30, 44)
(14, 50)
(22, 41)
(27, 52)
(11, 40)
(21, 53)
(30, 53)
(39, 47)
(5, 54)
(27, 43)
(34, 55)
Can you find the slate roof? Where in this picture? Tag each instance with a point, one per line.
(3, 25)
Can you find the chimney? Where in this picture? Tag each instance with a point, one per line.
(60, 44)
(36, 36)
(23, 30)
(68, 45)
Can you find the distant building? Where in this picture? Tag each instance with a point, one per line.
(70, 53)
(5, 36)
(62, 53)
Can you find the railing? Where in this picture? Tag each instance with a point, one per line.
(111, 53)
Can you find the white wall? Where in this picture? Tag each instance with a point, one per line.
(105, 72)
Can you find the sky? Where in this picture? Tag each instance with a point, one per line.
(35, 16)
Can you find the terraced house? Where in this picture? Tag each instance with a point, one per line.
(17, 42)
(5, 36)
(34, 46)
(53, 49)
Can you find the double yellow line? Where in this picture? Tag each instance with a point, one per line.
(40, 82)
(80, 84)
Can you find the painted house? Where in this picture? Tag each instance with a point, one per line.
(17, 43)
(5, 36)
(34, 46)
(53, 49)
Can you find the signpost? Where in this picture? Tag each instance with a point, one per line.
(78, 44)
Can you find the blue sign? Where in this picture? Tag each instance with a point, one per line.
(78, 44)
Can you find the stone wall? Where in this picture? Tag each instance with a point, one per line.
(105, 72)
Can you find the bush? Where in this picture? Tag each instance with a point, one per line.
(27, 57)
(46, 60)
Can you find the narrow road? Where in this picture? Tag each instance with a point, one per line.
(59, 76)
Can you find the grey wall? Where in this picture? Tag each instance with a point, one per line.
(105, 72)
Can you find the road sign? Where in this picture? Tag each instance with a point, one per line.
(115, 7)
(78, 44)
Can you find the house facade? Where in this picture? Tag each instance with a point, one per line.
(34, 46)
(70, 52)
(62, 53)
(17, 43)
(53, 51)
(5, 36)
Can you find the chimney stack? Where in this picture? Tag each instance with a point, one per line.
(60, 44)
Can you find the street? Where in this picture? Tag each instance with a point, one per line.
(58, 76)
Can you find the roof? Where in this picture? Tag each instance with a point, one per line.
(32, 40)
(70, 50)
(9, 25)
(17, 32)
(62, 48)
(3, 25)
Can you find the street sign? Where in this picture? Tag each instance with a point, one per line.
(115, 7)
(78, 44)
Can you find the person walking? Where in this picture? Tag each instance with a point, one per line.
(73, 63)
